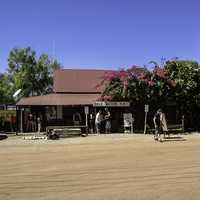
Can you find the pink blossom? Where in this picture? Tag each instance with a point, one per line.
(100, 98)
(151, 83)
(98, 86)
(125, 82)
(109, 76)
(107, 98)
(160, 72)
(123, 75)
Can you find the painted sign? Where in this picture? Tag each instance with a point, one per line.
(111, 104)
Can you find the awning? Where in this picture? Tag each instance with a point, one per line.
(59, 99)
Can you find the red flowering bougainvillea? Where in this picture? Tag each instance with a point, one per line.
(136, 84)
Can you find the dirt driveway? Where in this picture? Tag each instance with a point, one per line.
(113, 167)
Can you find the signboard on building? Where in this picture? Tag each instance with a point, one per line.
(111, 104)
(11, 107)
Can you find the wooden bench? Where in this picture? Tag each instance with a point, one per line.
(65, 131)
(172, 128)
(175, 128)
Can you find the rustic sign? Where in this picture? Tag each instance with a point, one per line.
(111, 104)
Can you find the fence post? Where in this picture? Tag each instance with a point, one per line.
(146, 110)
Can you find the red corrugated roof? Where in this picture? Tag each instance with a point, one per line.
(78, 81)
(59, 99)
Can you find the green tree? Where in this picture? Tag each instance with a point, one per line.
(186, 75)
(31, 74)
(5, 90)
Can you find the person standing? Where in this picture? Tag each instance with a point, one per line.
(34, 122)
(92, 122)
(39, 124)
(107, 121)
(160, 124)
(29, 127)
(156, 121)
(98, 121)
(163, 123)
(77, 119)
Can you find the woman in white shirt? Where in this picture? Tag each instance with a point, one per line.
(98, 120)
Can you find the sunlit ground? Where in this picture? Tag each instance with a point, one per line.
(117, 166)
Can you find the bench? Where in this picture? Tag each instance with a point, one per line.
(64, 131)
(175, 128)
(172, 128)
(67, 131)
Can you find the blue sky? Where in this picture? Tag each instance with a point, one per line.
(101, 33)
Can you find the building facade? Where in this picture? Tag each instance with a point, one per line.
(74, 91)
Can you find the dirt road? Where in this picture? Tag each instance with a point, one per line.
(113, 167)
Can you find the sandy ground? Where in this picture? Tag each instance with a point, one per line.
(113, 167)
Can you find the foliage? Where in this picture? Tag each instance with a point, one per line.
(138, 85)
(26, 71)
(5, 90)
(114, 85)
(176, 83)
(186, 75)
(31, 74)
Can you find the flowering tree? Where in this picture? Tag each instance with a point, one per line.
(177, 81)
(138, 85)
(114, 85)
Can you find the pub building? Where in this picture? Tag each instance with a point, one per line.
(74, 92)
